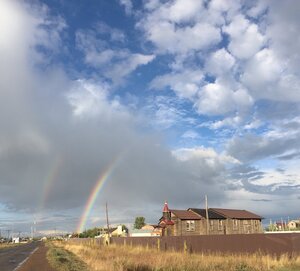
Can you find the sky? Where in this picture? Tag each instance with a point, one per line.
(179, 99)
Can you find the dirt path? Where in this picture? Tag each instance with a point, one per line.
(37, 261)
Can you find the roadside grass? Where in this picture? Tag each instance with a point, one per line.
(63, 260)
(126, 258)
(6, 245)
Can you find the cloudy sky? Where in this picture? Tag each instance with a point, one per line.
(193, 97)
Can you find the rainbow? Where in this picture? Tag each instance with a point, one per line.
(48, 183)
(94, 194)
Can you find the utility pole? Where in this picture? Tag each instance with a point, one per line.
(107, 218)
(8, 235)
(207, 218)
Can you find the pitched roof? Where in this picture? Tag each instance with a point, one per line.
(234, 213)
(164, 221)
(166, 207)
(211, 214)
(185, 215)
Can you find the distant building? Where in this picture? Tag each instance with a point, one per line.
(147, 231)
(140, 233)
(220, 221)
(119, 232)
(294, 224)
(16, 240)
(156, 230)
(113, 232)
(281, 226)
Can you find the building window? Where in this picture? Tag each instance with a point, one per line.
(211, 225)
(247, 226)
(235, 224)
(190, 225)
(220, 225)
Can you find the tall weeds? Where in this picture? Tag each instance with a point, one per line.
(126, 258)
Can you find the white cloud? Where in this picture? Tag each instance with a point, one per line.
(219, 62)
(162, 27)
(218, 99)
(245, 37)
(114, 34)
(283, 23)
(254, 124)
(165, 112)
(232, 122)
(258, 8)
(92, 99)
(127, 65)
(185, 83)
(268, 77)
(115, 64)
(183, 10)
(18, 47)
(190, 134)
(167, 38)
(209, 155)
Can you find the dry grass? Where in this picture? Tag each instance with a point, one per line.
(63, 260)
(6, 245)
(125, 258)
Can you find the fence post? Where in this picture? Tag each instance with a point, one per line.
(185, 248)
(158, 244)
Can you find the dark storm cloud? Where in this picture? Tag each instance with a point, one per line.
(247, 175)
(246, 172)
(289, 156)
(272, 111)
(262, 200)
(59, 135)
(253, 147)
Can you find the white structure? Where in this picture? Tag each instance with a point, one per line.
(16, 240)
(294, 224)
(141, 233)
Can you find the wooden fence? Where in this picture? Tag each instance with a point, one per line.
(274, 244)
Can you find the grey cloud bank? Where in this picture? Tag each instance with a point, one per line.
(58, 134)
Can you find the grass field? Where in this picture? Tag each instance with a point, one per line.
(125, 258)
(63, 260)
(5, 245)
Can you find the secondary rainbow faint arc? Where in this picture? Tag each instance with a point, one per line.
(48, 183)
(95, 191)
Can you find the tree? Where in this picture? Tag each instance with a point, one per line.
(139, 222)
(124, 228)
(90, 233)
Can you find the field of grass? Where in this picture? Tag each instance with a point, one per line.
(63, 260)
(5, 245)
(126, 258)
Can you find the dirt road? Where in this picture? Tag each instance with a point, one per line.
(27, 257)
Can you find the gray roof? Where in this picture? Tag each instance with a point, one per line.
(211, 214)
